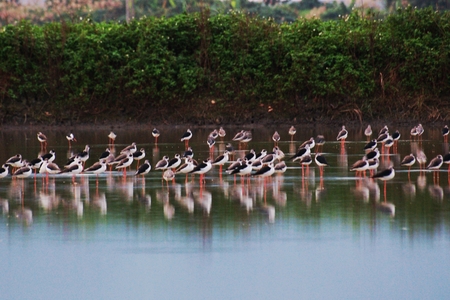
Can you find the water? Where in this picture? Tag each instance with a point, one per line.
(126, 237)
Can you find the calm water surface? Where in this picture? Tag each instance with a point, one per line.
(292, 238)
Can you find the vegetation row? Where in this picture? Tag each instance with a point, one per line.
(234, 67)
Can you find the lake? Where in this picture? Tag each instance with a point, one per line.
(285, 237)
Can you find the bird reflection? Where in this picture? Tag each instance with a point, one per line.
(436, 192)
(362, 193)
(126, 189)
(100, 203)
(48, 201)
(169, 210)
(269, 211)
(25, 215)
(387, 207)
(320, 191)
(246, 202)
(144, 198)
(409, 189)
(204, 198)
(421, 181)
(75, 202)
(187, 202)
(280, 197)
(4, 204)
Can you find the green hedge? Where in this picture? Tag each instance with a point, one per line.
(203, 68)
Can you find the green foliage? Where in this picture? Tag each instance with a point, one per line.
(165, 68)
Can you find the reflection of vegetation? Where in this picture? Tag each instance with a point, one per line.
(356, 66)
(104, 10)
(335, 10)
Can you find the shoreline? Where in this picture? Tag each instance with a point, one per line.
(143, 125)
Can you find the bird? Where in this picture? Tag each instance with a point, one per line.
(138, 155)
(188, 153)
(413, 132)
(4, 171)
(269, 158)
(446, 160)
(305, 161)
(382, 138)
(97, 168)
(36, 163)
(342, 135)
(105, 154)
(50, 156)
(23, 172)
(221, 160)
(292, 132)
(396, 135)
(436, 163)
(368, 131)
(129, 149)
(370, 146)
(248, 136)
(74, 170)
(15, 162)
(162, 164)
(257, 164)
(251, 155)
(239, 136)
(389, 143)
(144, 168)
(261, 154)
(301, 152)
(320, 141)
(360, 166)
(125, 163)
(420, 130)
(155, 133)
(42, 139)
(276, 137)
(383, 130)
(211, 142)
(84, 155)
(112, 138)
(186, 137)
(408, 161)
(421, 158)
(202, 168)
(118, 159)
(174, 162)
(311, 143)
(321, 162)
(280, 167)
(385, 175)
(70, 138)
(49, 168)
(279, 154)
(222, 132)
(236, 164)
(373, 165)
(168, 175)
(187, 167)
(265, 171)
(242, 167)
(445, 132)
(375, 153)
(214, 134)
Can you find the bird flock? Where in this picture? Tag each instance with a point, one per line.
(250, 164)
